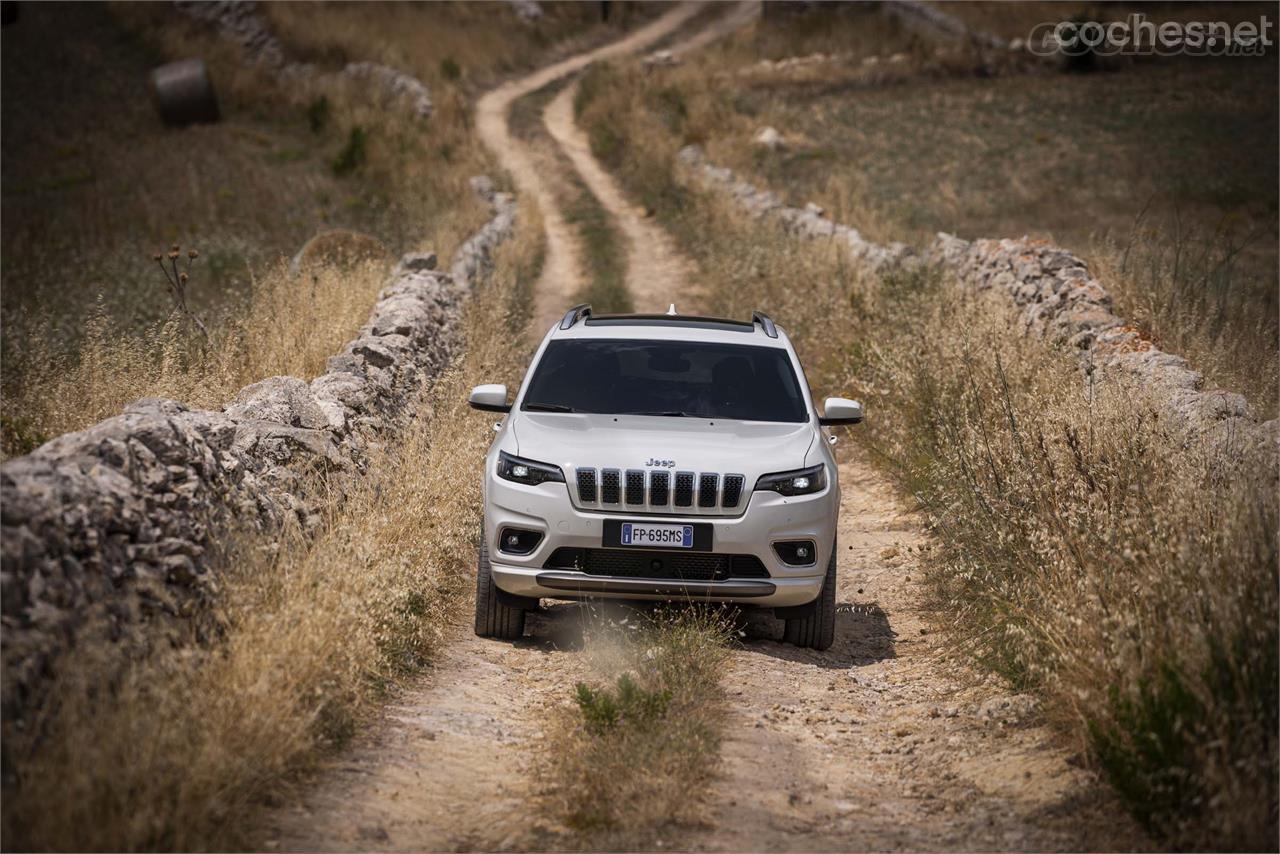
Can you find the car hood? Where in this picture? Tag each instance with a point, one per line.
(749, 448)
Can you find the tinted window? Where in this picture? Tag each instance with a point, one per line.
(696, 379)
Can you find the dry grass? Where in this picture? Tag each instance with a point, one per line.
(624, 763)
(1171, 158)
(91, 188)
(178, 752)
(289, 325)
(1082, 550)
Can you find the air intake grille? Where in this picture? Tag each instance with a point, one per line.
(627, 563)
(707, 489)
(732, 490)
(587, 485)
(609, 486)
(684, 489)
(659, 488)
(635, 487)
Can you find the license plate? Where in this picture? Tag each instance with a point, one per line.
(646, 535)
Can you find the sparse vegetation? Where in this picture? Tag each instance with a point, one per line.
(91, 186)
(1159, 173)
(603, 249)
(625, 762)
(1082, 550)
(178, 753)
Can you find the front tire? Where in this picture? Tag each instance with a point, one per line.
(493, 618)
(818, 630)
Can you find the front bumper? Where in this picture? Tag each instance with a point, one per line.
(768, 518)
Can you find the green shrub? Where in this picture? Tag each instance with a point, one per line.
(603, 709)
(318, 114)
(353, 154)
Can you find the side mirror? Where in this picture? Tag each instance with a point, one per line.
(840, 410)
(489, 398)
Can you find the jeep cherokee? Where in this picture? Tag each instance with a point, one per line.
(661, 457)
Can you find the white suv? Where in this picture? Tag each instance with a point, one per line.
(661, 457)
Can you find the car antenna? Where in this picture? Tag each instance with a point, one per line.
(671, 309)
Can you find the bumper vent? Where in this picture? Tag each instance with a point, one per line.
(628, 563)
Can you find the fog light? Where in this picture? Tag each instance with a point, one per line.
(517, 541)
(795, 552)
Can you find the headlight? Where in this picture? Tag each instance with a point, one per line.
(799, 482)
(527, 471)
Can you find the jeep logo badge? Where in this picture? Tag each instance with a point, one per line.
(666, 464)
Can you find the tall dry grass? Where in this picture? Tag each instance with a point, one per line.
(1084, 549)
(625, 762)
(178, 752)
(92, 188)
(288, 325)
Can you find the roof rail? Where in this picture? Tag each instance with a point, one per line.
(571, 316)
(765, 323)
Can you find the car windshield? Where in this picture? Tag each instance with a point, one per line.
(666, 378)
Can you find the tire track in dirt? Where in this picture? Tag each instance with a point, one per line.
(563, 271)
(449, 765)
(882, 742)
(657, 274)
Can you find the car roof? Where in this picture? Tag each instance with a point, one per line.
(670, 327)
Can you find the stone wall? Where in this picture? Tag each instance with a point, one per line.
(1051, 295)
(115, 526)
(241, 22)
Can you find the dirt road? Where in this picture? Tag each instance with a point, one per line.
(562, 274)
(879, 743)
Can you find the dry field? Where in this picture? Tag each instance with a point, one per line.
(1160, 173)
(1085, 552)
(93, 187)
(189, 743)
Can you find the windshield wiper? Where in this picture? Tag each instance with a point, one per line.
(671, 413)
(548, 407)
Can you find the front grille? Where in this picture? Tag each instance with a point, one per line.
(609, 486)
(587, 485)
(627, 563)
(707, 487)
(659, 488)
(684, 488)
(654, 488)
(732, 490)
(635, 487)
